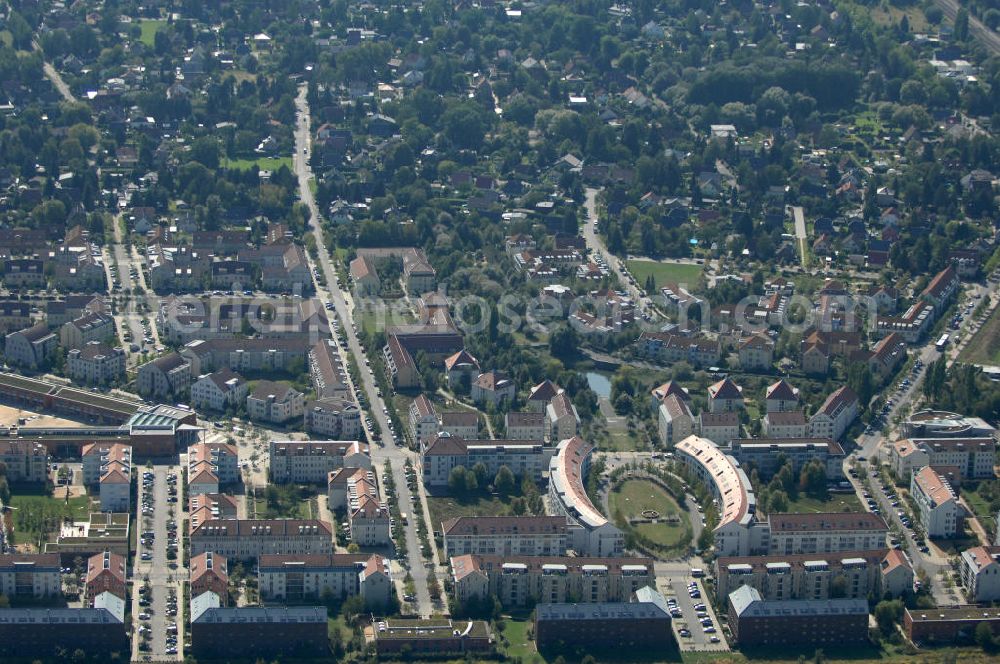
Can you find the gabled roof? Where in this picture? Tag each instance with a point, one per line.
(544, 391)
(670, 387)
(724, 389)
(461, 357)
(782, 390)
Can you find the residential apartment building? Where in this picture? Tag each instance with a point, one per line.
(209, 572)
(561, 418)
(49, 633)
(670, 349)
(640, 624)
(96, 364)
(973, 457)
(401, 370)
(220, 390)
(785, 424)
(312, 461)
(756, 621)
(165, 376)
(980, 571)
(937, 504)
(780, 397)
(944, 625)
(315, 577)
(355, 490)
(30, 575)
(109, 468)
(88, 327)
(14, 315)
(461, 369)
(493, 387)
(247, 539)
(246, 355)
(423, 419)
(568, 468)
(32, 347)
(506, 535)
(275, 403)
(106, 572)
(25, 461)
(720, 428)
(523, 581)
(763, 454)
(208, 506)
(221, 459)
(253, 632)
(756, 353)
(725, 396)
(333, 417)
(674, 420)
(445, 452)
(365, 277)
(835, 415)
(825, 533)
(461, 423)
(525, 426)
(329, 377)
(851, 574)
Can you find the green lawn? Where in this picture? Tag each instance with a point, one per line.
(678, 273)
(33, 514)
(516, 633)
(149, 29)
(634, 496)
(984, 347)
(622, 441)
(979, 505)
(837, 502)
(263, 163)
(6, 38)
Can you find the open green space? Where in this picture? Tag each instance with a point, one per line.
(149, 29)
(263, 163)
(632, 497)
(443, 508)
(836, 502)
(678, 273)
(518, 644)
(283, 502)
(35, 514)
(984, 347)
(622, 441)
(980, 497)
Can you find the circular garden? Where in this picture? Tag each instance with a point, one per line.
(647, 511)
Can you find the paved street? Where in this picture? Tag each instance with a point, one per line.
(384, 448)
(800, 234)
(162, 573)
(674, 584)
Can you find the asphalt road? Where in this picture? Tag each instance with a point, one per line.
(699, 640)
(161, 576)
(54, 76)
(384, 448)
(597, 247)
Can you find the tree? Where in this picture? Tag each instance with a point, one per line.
(456, 479)
(887, 614)
(984, 637)
(504, 482)
(812, 480)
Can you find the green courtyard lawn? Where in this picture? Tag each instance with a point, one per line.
(634, 496)
(984, 347)
(284, 502)
(518, 643)
(836, 502)
(149, 29)
(443, 508)
(263, 163)
(36, 514)
(678, 273)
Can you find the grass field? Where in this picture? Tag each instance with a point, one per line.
(678, 273)
(837, 502)
(33, 514)
(516, 633)
(263, 163)
(634, 496)
(984, 347)
(149, 29)
(443, 508)
(979, 505)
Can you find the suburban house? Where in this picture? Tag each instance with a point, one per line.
(493, 387)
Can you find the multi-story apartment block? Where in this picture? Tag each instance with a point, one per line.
(561, 418)
(521, 581)
(461, 423)
(973, 457)
(720, 428)
(756, 353)
(248, 539)
(445, 452)
(670, 349)
(242, 633)
(329, 378)
(937, 504)
(30, 575)
(423, 420)
(209, 572)
(781, 396)
(852, 574)
(355, 490)
(219, 390)
(105, 573)
(207, 506)
(285, 578)
(506, 535)
(825, 532)
(674, 420)
(96, 364)
(525, 426)
(980, 573)
(109, 467)
(221, 459)
(32, 347)
(88, 327)
(763, 454)
(25, 461)
(165, 376)
(275, 403)
(799, 622)
(312, 461)
(333, 417)
(724, 396)
(640, 624)
(568, 468)
(836, 414)
(493, 387)
(243, 355)
(785, 424)
(14, 315)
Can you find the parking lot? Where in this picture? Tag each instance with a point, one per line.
(696, 626)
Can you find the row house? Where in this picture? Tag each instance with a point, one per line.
(295, 578)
